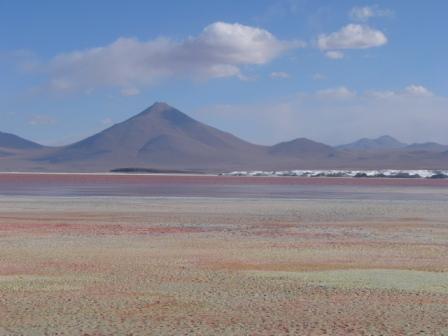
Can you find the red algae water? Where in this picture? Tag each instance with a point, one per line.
(221, 186)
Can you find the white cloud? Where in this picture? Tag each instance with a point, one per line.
(336, 93)
(412, 90)
(334, 54)
(381, 94)
(107, 122)
(131, 91)
(318, 77)
(60, 84)
(365, 13)
(418, 90)
(279, 75)
(41, 120)
(352, 36)
(218, 51)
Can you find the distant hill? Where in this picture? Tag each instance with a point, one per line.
(162, 138)
(384, 142)
(11, 141)
(427, 146)
(302, 147)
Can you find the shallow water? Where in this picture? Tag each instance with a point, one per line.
(221, 186)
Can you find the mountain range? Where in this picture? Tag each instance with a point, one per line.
(163, 138)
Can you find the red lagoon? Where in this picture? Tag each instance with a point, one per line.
(31, 184)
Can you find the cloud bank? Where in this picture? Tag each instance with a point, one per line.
(220, 50)
(339, 115)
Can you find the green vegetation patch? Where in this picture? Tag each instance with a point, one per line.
(40, 283)
(405, 280)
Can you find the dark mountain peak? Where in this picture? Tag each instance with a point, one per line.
(8, 140)
(158, 107)
(163, 111)
(387, 139)
(382, 142)
(384, 139)
(301, 141)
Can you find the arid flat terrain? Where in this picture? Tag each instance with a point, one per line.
(215, 266)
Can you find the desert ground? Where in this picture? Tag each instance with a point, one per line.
(215, 266)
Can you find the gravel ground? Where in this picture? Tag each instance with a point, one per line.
(201, 266)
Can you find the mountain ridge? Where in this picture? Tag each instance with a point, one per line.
(381, 143)
(162, 137)
(12, 141)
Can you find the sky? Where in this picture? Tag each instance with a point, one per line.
(267, 71)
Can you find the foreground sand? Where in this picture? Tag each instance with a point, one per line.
(154, 266)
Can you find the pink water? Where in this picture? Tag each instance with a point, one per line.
(221, 186)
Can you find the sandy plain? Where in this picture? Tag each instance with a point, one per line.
(214, 266)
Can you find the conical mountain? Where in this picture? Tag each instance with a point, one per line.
(160, 136)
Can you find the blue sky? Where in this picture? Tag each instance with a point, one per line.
(267, 71)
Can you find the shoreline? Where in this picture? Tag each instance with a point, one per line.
(226, 176)
(107, 174)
